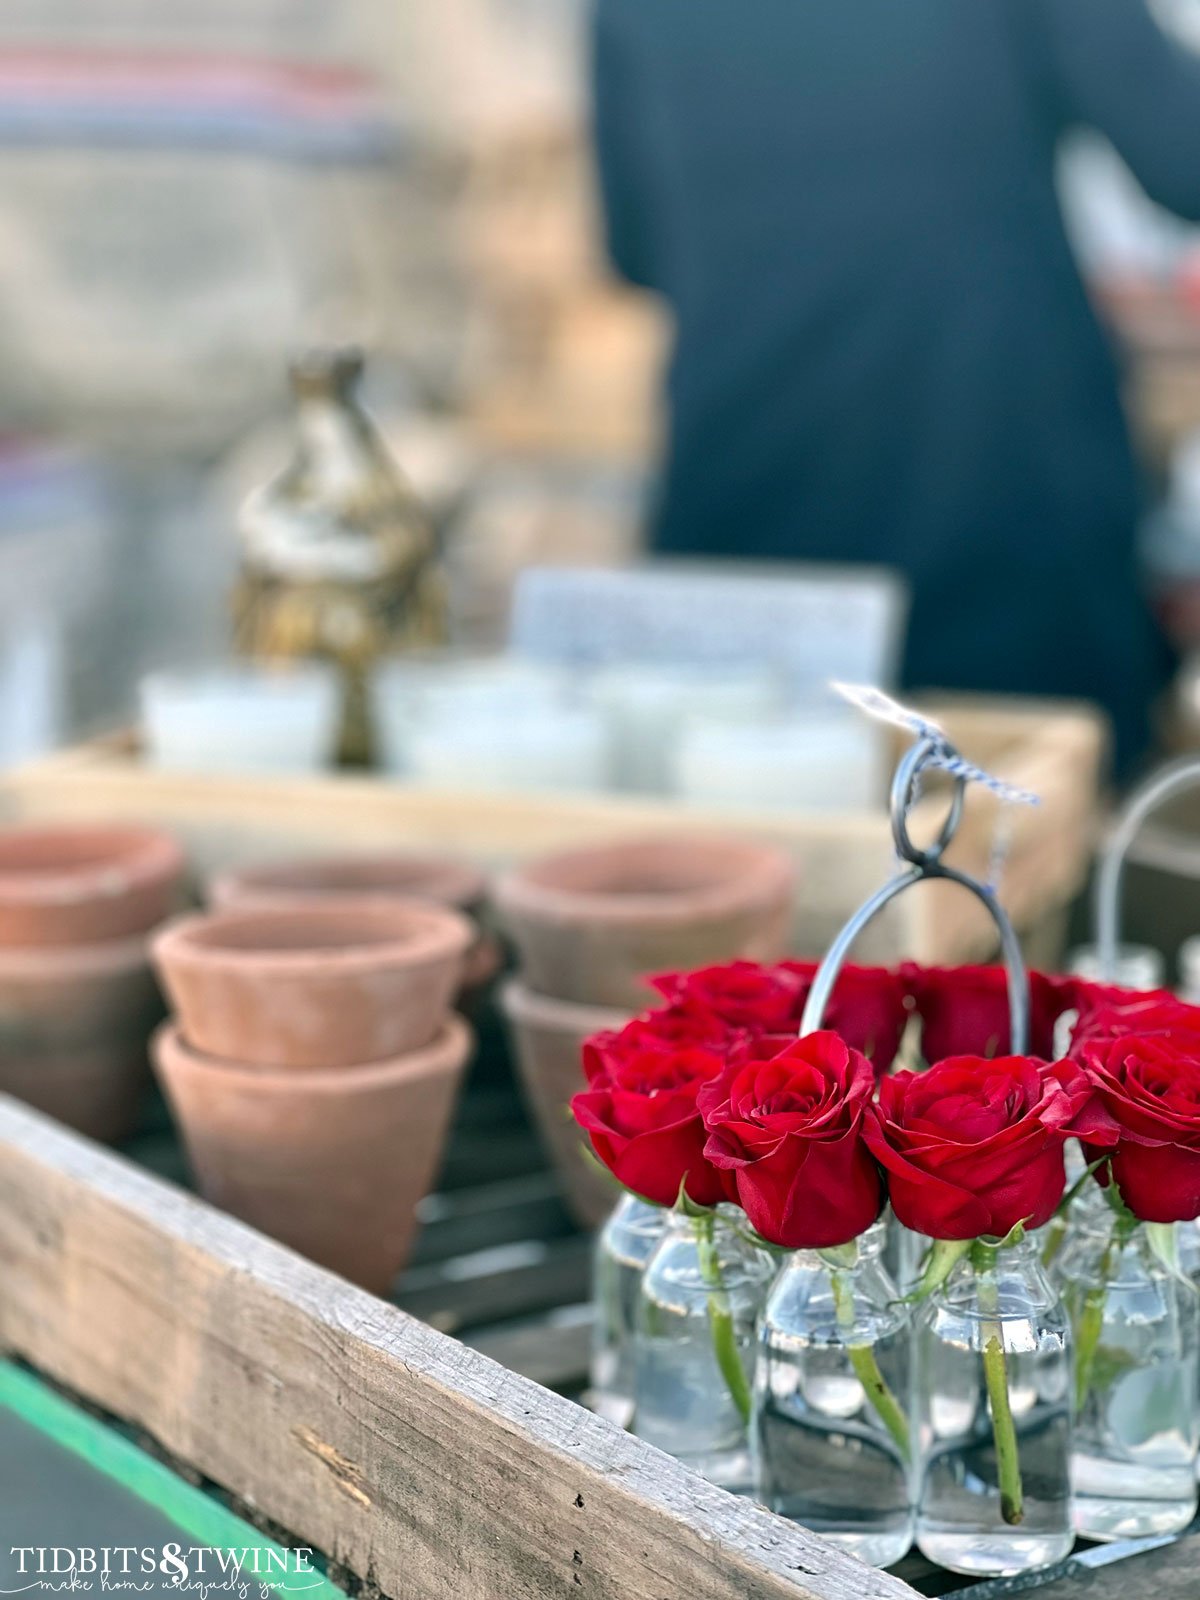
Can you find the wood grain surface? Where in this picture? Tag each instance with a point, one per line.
(417, 1463)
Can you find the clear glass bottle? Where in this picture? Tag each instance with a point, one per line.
(1137, 1344)
(623, 1247)
(992, 1407)
(694, 1348)
(903, 1252)
(830, 1434)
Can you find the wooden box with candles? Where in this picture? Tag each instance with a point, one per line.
(1056, 750)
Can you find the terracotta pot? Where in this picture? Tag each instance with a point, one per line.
(547, 1038)
(96, 1089)
(70, 995)
(411, 877)
(314, 986)
(440, 879)
(590, 924)
(62, 886)
(333, 1164)
(74, 1026)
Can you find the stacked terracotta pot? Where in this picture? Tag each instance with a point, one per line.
(589, 925)
(441, 880)
(78, 999)
(313, 1064)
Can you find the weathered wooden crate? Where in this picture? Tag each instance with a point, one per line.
(418, 1464)
(1054, 749)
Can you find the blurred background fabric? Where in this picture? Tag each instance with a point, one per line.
(191, 190)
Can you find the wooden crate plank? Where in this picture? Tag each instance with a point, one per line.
(408, 1458)
(553, 1350)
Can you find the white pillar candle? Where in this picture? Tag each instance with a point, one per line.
(242, 719)
(646, 707)
(813, 762)
(551, 751)
(419, 695)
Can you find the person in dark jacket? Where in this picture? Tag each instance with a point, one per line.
(884, 350)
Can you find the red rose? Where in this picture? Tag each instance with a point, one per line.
(639, 1112)
(869, 1008)
(1150, 1087)
(785, 1126)
(1107, 1012)
(975, 1145)
(597, 1051)
(742, 994)
(964, 1011)
(673, 1025)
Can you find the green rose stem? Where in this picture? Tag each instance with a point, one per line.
(1091, 1317)
(720, 1318)
(1056, 1237)
(866, 1367)
(995, 1369)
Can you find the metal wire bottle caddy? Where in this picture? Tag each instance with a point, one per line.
(1015, 1500)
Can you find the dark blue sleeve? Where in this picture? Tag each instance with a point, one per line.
(620, 148)
(1113, 68)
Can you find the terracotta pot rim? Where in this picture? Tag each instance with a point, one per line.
(750, 871)
(447, 1051)
(454, 883)
(124, 859)
(407, 933)
(98, 959)
(526, 1006)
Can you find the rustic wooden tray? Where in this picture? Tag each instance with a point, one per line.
(1055, 749)
(423, 1466)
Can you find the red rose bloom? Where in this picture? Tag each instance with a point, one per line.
(1150, 1087)
(869, 1008)
(975, 1145)
(785, 1126)
(964, 1011)
(741, 994)
(1106, 1012)
(639, 1111)
(672, 1026)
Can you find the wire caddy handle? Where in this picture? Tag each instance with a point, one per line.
(1177, 778)
(931, 751)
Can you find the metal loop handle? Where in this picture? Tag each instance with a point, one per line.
(925, 753)
(925, 865)
(1177, 778)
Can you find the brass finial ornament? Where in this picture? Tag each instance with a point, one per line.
(338, 557)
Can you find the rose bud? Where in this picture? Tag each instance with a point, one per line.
(964, 1010)
(742, 994)
(785, 1125)
(1150, 1087)
(639, 1112)
(975, 1145)
(868, 1008)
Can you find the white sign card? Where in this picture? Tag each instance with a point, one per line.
(810, 623)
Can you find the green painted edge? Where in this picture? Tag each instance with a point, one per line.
(193, 1512)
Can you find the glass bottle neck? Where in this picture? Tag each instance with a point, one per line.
(721, 1220)
(865, 1251)
(636, 1215)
